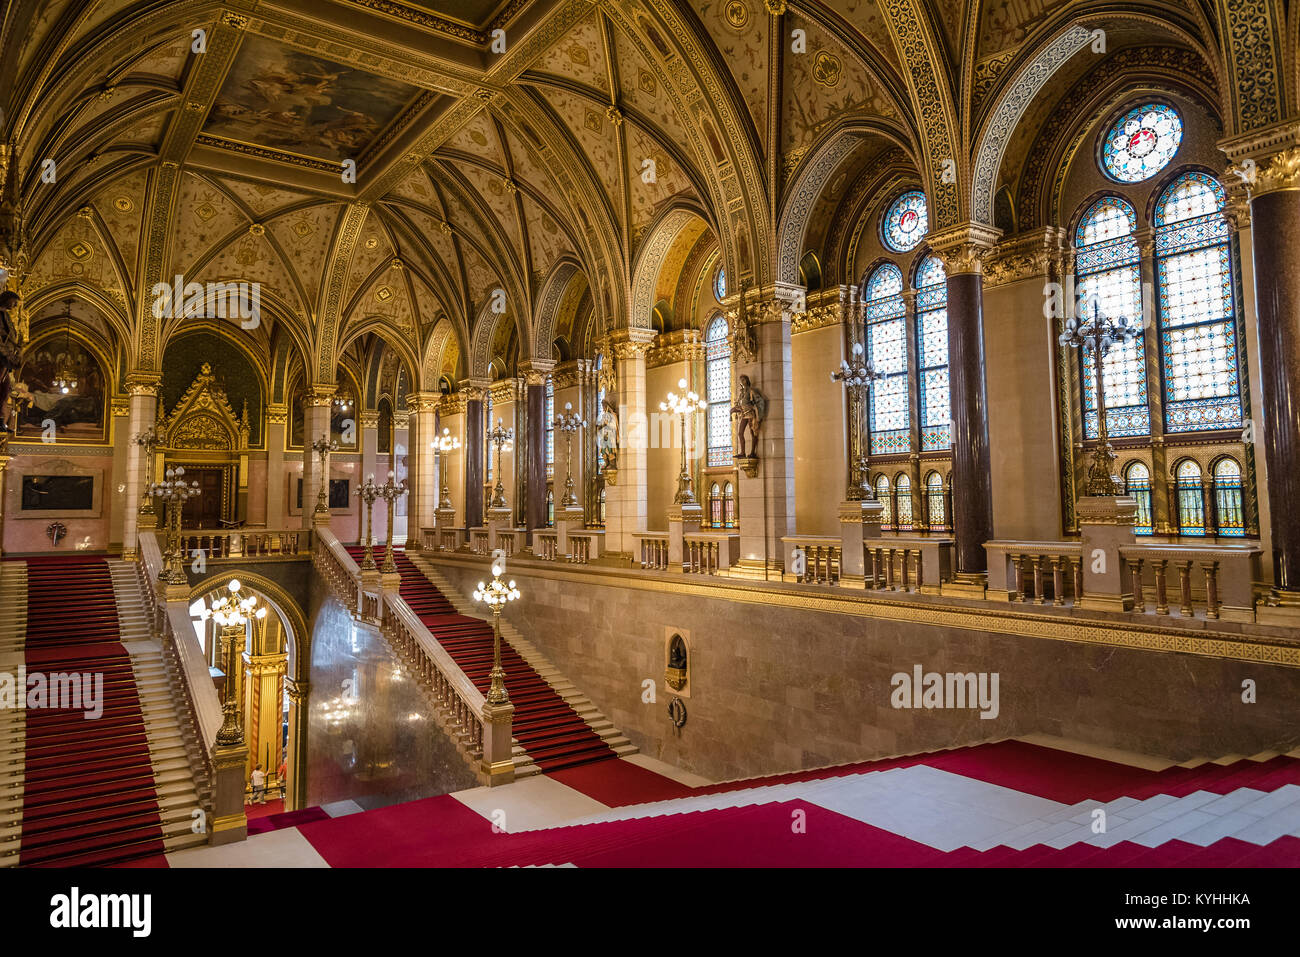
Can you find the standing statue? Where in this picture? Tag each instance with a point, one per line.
(607, 434)
(751, 409)
(10, 353)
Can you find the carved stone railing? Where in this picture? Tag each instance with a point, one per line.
(1216, 580)
(1035, 572)
(652, 549)
(248, 543)
(480, 540)
(484, 737)
(220, 787)
(707, 553)
(821, 559)
(907, 563)
(585, 544)
(546, 545)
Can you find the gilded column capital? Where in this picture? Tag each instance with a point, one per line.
(277, 414)
(472, 389)
(422, 401)
(369, 420)
(142, 382)
(1037, 254)
(319, 395)
(632, 343)
(964, 247)
(1266, 160)
(535, 371)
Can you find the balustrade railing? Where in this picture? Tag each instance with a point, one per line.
(821, 559)
(1038, 572)
(1216, 581)
(248, 543)
(707, 553)
(584, 544)
(480, 540)
(546, 545)
(653, 549)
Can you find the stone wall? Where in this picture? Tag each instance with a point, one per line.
(777, 688)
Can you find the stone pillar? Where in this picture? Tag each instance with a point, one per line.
(317, 404)
(277, 419)
(962, 248)
(472, 446)
(859, 523)
(1105, 525)
(296, 797)
(683, 520)
(143, 390)
(626, 502)
(371, 464)
(533, 458)
(1275, 219)
(498, 763)
(761, 350)
(229, 822)
(403, 465)
(121, 432)
(422, 478)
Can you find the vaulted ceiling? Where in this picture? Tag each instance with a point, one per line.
(416, 169)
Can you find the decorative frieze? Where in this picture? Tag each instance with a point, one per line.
(1040, 254)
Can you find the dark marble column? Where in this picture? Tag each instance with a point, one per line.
(474, 461)
(1275, 222)
(972, 489)
(535, 458)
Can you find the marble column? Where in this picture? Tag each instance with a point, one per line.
(317, 404)
(626, 502)
(962, 248)
(472, 444)
(762, 351)
(423, 494)
(121, 432)
(277, 426)
(403, 466)
(1275, 214)
(299, 692)
(371, 464)
(143, 390)
(534, 457)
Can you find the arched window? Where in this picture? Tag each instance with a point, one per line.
(905, 222)
(717, 376)
(932, 355)
(720, 284)
(550, 507)
(715, 505)
(886, 336)
(934, 501)
(729, 505)
(1198, 328)
(1191, 498)
(903, 485)
(1137, 483)
(1229, 515)
(885, 496)
(602, 506)
(549, 413)
(1109, 282)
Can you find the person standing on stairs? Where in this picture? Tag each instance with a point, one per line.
(259, 785)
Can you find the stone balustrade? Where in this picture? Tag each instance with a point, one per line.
(1035, 572)
(248, 543)
(907, 563)
(821, 562)
(652, 549)
(707, 553)
(1216, 581)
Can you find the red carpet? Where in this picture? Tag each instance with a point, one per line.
(622, 783)
(89, 795)
(551, 732)
(274, 822)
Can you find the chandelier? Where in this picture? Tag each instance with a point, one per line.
(65, 372)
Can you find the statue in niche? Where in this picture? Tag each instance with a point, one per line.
(607, 434)
(750, 409)
(675, 675)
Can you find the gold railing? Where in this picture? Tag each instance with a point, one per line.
(248, 543)
(707, 553)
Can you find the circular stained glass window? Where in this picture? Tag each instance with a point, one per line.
(906, 222)
(1141, 143)
(720, 285)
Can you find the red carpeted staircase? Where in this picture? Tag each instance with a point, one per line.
(89, 797)
(554, 735)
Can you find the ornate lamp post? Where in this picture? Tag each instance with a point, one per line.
(390, 493)
(368, 492)
(569, 422)
(857, 377)
(232, 613)
(442, 445)
(500, 438)
(323, 447)
(496, 594)
(174, 493)
(1098, 335)
(683, 405)
(148, 442)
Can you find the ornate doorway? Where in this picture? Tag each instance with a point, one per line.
(203, 434)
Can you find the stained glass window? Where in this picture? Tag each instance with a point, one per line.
(1229, 514)
(729, 505)
(1191, 500)
(884, 494)
(903, 485)
(887, 350)
(1137, 483)
(717, 372)
(549, 412)
(715, 505)
(1141, 143)
(1109, 282)
(932, 354)
(550, 508)
(1198, 330)
(720, 285)
(934, 501)
(906, 222)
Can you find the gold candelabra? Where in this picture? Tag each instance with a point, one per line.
(323, 447)
(148, 442)
(391, 493)
(442, 445)
(857, 377)
(232, 612)
(683, 405)
(569, 422)
(500, 438)
(173, 493)
(496, 594)
(368, 492)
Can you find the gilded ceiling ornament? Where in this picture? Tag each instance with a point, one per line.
(123, 205)
(593, 122)
(235, 20)
(775, 7)
(737, 14)
(615, 115)
(827, 69)
(510, 185)
(84, 212)
(256, 229)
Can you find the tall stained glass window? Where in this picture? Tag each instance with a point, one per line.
(886, 498)
(886, 335)
(550, 425)
(906, 222)
(1229, 513)
(1109, 281)
(717, 375)
(932, 355)
(1141, 143)
(1137, 483)
(1198, 329)
(720, 285)
(1190, 491)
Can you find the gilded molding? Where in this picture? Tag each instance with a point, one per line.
(963, 247)
(1040, 254)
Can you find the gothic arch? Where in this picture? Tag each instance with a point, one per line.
(548, 304)
(660, 236)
